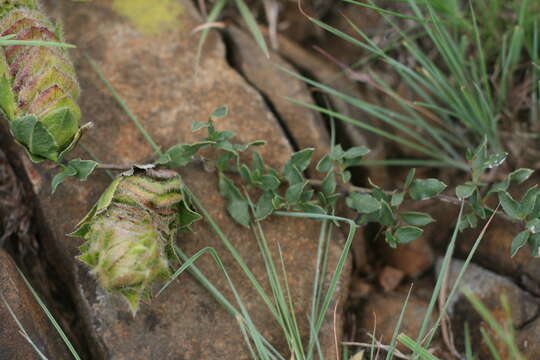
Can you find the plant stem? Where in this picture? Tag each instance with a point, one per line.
(114, 167)
(124, 106)
(348, 188)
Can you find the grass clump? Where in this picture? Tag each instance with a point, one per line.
(470, 69)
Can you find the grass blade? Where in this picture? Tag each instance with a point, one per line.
(252, 26)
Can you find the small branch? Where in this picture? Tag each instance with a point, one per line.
(348, 188)
(114, 167)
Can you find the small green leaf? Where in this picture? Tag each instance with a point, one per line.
(311, 208)
(23, 127)
(307, 195)
(42, 143)
(294, 192)
(292, 174)
(500, 186)
(264, 206)
(62, 124)
(301, 159)
(390, 239)
(59, 178)
(353, 156)
(520, 175)
(245, 173)
(244, 147)
(422, 189)
(470, 220)
(224, 159)
(257, 162)
(346, 176)
(278, 202)
(337, 153)
(495, 160)
(226, 145)
(356, 152)
(325, 164)
(187, 216)
(83, 167)
(409, 179)
(528, 201)
(386, 215)
(363, 203)
(329, 184)
(416, 218)
(510, 206)
(533, 226)
(406, 234)
(237, 206)
(534, 243)
(397, 199)
(536, 209)
(181, 154)
(268, 182)
(220, 112)
(519, 241)
(465, 191)
(198, 125)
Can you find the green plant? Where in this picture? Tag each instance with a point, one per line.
(38, 88)
(131, 230)
(463, 94)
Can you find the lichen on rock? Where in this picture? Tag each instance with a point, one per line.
(130, 231)
(38, 86)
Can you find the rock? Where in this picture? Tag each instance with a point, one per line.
(412, 259)
(386, 309)
(494, 252)
(527, 340)
(15, 293)
(149, 57)
(389, 278)
(360, 289)
(488, 288)
(304, 126)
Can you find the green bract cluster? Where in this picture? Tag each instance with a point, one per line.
(38, 86)
(130, 231)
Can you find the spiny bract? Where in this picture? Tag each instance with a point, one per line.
(38, 87)
(130, 231)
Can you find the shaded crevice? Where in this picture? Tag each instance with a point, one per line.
(34, 258)
(233, 61)
(527, 322)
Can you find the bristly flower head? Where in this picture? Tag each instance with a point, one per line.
(130, 231)
(38, 87)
